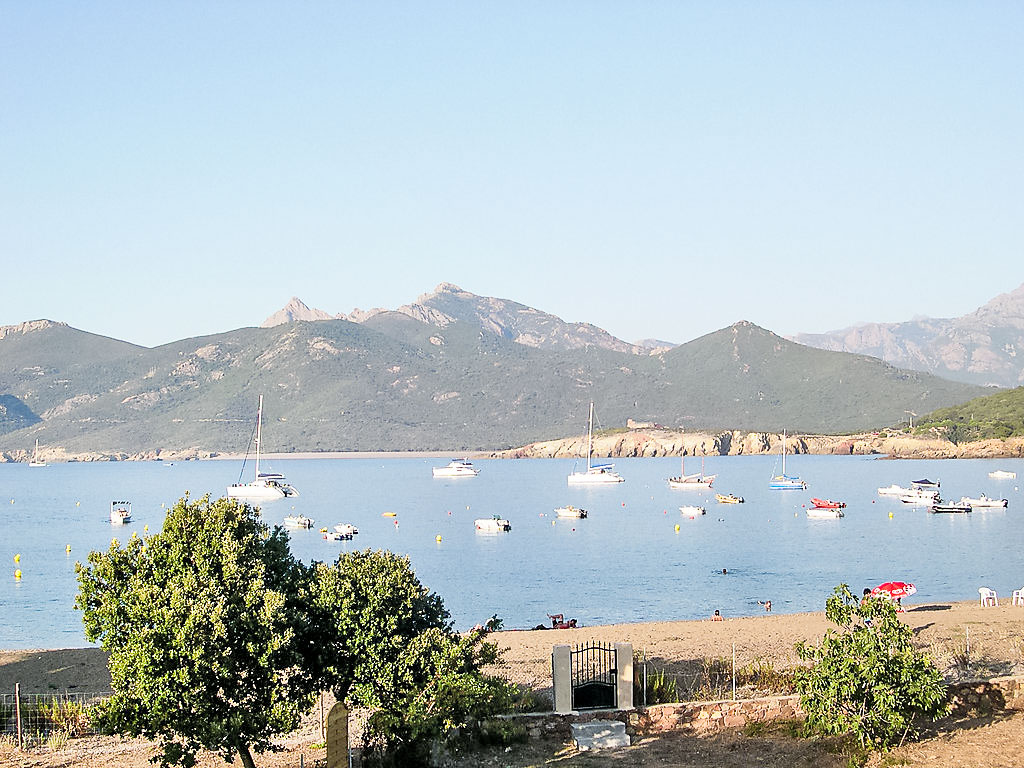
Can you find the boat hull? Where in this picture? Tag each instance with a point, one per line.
(603, 477)
(256, 492)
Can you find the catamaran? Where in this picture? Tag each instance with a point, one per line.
(786, 482)
(266, 486)
(596, 474)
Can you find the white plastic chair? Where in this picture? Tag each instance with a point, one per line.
(988, 596)
(1018, 596)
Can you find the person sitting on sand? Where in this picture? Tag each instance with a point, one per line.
(717, 616)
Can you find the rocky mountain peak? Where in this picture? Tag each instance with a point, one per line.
(28, 327)
(295, 311)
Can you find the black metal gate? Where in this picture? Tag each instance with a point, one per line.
(594, 676)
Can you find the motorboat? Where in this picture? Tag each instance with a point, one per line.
(1002, 474)
(827, 503)
(693, 510)
(728, 498)
(825, 513)
(347, 528)
(335, 535)
(954, 507)
(920, 498)
(298, 521)
(685, 482)
(36, 461)
(120, 512)
(265, 486)
(456, 468)
(925, 485)
(596, 474)
(985, 502)
(784, 482)
(492, 524)
(893, 490)
(570, 511)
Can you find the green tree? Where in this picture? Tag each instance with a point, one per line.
(867, 679)
(395, 651)
(210, 643)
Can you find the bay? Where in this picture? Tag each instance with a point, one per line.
(626, 562)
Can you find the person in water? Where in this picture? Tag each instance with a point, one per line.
(717, 616)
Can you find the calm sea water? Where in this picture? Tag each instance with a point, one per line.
(625, 562)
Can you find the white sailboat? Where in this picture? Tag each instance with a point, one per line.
(786, 482)
(266, 486)
(685, 482)
(596, 474)
(36, 461)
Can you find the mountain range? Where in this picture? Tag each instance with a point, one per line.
(983, 347)
(451, 371)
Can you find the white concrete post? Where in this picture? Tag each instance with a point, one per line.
(624, 675)
(561, 677)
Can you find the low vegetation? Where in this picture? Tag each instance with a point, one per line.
(996, 416)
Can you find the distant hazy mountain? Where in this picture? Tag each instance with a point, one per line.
(396, 382)
(503, 318)
(983, 347)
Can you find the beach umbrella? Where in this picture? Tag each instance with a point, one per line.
(894, 589)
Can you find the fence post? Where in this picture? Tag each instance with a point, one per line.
(734, 671)
(17, 710)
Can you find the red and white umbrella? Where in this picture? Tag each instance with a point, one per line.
(894, 589)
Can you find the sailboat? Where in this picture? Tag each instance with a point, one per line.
(36, 461)
(786, 482)
(596, 474)
(698, 482)
(266, 486)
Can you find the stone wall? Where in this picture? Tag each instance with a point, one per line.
(703, 717)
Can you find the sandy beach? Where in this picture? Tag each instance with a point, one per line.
(995, 636)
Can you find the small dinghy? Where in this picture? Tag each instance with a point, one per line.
(492, 524)
(570, 511)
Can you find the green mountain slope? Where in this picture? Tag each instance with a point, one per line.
(395, 383)
(996, 416)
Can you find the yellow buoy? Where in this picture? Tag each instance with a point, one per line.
(890, 515)
(145, 529)
(17, 558)
(78, 503)
(438, 539)
(17, 574)
(68, 549)
(677, 527)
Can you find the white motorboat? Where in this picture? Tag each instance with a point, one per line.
(784, 482)
(693, 510)
(36, 461)
(335, 535)
(1002, 474)
(346, 528)
(266, 486)
(570, 511)
(893, 490)
(953, 507)
(985, 502)
(456, 468)
(120, 512)
(492, 524)
(596, 474)
(298, 521)
(824, 513)
(920, 497)
(685, 482)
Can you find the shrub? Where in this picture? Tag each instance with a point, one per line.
(867, 679)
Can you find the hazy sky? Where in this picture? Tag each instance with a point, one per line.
(661, 169)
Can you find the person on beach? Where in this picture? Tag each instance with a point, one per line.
(717, 616)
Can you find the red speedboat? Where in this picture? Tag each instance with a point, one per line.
(827, 504)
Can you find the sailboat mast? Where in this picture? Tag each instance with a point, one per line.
(259, 431)
(783, 453)
(590, 435)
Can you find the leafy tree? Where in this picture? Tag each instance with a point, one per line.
(867, 679)
(209, 640)
(394, 650)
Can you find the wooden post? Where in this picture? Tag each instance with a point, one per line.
(17, 710)
(323, 723)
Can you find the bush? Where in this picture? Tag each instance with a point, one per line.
(867, 679)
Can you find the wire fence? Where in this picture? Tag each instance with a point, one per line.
(35, 718)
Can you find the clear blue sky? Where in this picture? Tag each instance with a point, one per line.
(661, 169)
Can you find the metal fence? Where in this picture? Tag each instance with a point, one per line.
(32, 718)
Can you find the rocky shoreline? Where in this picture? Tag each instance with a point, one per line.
(663, 442)
(634, 443)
